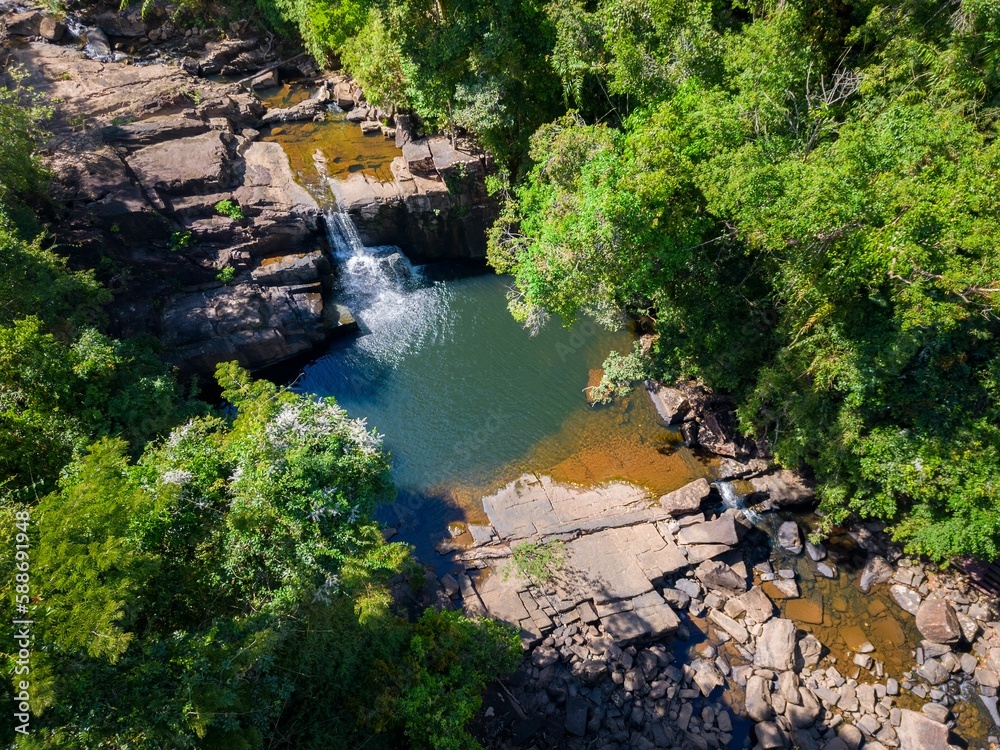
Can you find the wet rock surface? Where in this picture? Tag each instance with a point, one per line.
(435, 206)
(141, 156)
(636, 641)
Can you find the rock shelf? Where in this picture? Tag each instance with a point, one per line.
(659, 628)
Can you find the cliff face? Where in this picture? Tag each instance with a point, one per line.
(140, 157)
(144, 150)
(436, 205)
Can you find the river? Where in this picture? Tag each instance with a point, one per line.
(468, 400)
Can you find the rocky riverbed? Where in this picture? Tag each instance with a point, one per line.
(680, 621)
(153, 128)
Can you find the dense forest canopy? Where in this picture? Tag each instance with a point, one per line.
(801, 196)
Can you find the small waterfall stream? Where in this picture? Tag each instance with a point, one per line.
(398, 308)
(731, 499)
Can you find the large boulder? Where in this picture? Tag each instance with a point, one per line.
(776, 645)
(918, 732)
(687, 499)
(758, 699)
(937, 621)
(671, 403)
(790, 538)
(785, 487)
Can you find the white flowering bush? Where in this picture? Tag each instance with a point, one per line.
(279, 496)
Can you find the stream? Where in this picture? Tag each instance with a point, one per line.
(468, 400)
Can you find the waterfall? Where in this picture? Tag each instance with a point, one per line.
(731, 499)
(397, 307)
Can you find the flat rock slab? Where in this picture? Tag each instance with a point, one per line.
(611, 564)
(502, 600)
(532, 507)
(918, 732)
(650, 617)
(720, 531)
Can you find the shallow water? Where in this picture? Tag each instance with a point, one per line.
(468, 400)
(340, 145)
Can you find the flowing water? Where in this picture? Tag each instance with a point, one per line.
(468, 400)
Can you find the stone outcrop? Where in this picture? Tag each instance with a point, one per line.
(671, 403)
(630, 576)
(435, 207)
(687, 499)
(140, 156)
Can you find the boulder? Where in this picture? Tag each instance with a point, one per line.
(687, 499)
(937, 621)
(706, 676)
(720, 531)
(717, 575)
(826, 570)
(755, 603)
(790, 538)
(51, 29)
(312, 108)
(23, 24)
(785, 487)
(671, 403)
(729, 625)
(804, 715)
(758, 699)
(769, 736)
(934, 672)
(811, 649)
(419, 159)
(776, 645)
(877, 570)
(816, 552)
(576, 716)
(266, 80)
(905, 597)
(918, 732)
(937, 712)
(125, 23)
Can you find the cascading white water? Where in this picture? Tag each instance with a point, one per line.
(397, 307)
(731, 499)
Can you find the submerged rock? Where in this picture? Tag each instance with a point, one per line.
(906, 598)
(790, 538)
(877, 570)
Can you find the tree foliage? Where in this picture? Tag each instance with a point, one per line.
(800, 198)
(199, 578)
